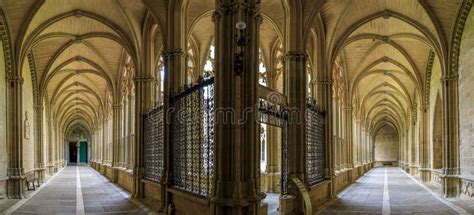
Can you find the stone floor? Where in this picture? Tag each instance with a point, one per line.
(79, 190)
(388, 190)
(273, 201)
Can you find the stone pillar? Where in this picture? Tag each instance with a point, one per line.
(424, 145)
(143, 95)
(129, 160)
(39, 149)
(349, 137)
(55, 145)
(237, 145)
(116, 139)
(15, 171)
(324, 84)
(451, 139)
(50, 141)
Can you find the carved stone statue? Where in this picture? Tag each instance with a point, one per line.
(27, 126)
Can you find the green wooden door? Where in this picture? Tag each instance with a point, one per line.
(83, 152)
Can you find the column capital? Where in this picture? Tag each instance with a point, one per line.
(143, 79)
(117, 106)
(324, 82)
(296, 55)
(15, 79)
(448, 78)
(38, 107)
(172, 53)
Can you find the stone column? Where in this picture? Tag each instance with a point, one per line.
(55, 143)
(237, 178)
(50, 141)
(451, 139)
(15, 171)
(349, 141)
(324, 84)
(116, 139)
(424, 145)
(143, 90)
(39, 149)
(129, 161)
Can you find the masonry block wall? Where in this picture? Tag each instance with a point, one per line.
(386, 144)
(466, 98)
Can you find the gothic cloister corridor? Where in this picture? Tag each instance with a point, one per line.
(220, 107)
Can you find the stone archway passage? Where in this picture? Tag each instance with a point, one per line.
(388, 190)
(79, 190)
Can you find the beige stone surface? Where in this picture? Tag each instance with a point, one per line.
(386, 144)
(28, 107)
(3, 124)
(466, 98)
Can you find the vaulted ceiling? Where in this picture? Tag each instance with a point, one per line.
(386, 47)
(79, 48)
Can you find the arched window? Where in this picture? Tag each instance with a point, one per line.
(262, 70)
(209, 64)
(190, 66)
(160, 82)
(309, 80)
(279, 68)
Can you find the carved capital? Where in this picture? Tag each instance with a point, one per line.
(450, 78)
(296, 56)
(144, 79)
(15, 79)
(324, 82)
(173, 53)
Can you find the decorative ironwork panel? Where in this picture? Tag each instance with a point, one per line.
(315, 140)
(273, 114)
(153, 143)
(192, 138)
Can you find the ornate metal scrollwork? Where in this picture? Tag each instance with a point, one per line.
(315, 150)
(273, 114)
(153, 144)
(192, 138)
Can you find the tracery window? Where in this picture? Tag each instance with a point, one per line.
(309, 79)
(279, 68)
(190, 66)
(262, 70)
(209, 63)
(160, 82)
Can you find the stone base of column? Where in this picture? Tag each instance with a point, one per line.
(413, 170)
(50, 169)
(450, 185)
(235, 204)
(287, 204)
(115, 172)
(425, 175)
(137, 183)
(16, 183)
(40, 171)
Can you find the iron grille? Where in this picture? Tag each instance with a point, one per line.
(273, 114)
(192, 138)
(315, 154)
(153, 143)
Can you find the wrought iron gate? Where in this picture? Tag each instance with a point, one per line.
(315, 150)
(192, 138)
(153, 143)
(275, 115)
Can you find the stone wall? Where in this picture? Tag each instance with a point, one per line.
(3, 123)
(27, 96)
(386, 144)
(466, 98)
